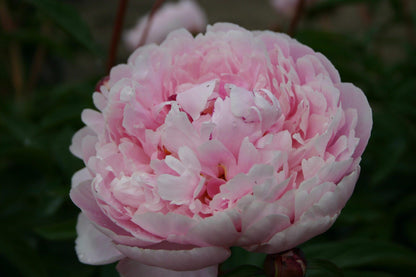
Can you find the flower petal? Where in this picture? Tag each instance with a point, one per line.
(353, 97)
(185, 260)
(92, 246)
(194, 100)
(131, 268)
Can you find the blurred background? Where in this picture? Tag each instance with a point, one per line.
(53, 52)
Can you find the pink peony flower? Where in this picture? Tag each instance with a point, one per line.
(232, 138)
(184, 14)
(288, 7)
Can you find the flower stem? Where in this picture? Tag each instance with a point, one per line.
(155, 7)
(14, 51)
(296, 17)
(38, 60)
(118, 25)
(407, 16)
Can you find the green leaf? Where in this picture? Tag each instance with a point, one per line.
(355, 253)
(244, 271)
(366, 273)
(109, 271)
(67, 18)
(321, 267)
(21, 130)
(58, 231)
(240, 257)
(21, 254)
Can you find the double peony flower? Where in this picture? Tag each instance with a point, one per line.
(232, 138)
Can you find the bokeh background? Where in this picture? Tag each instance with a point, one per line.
(53, 52)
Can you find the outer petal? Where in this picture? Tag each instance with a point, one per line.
(296, 234)
(76, 145)
(182, 260)
(313, 222)
(219, 229)
(92, 246)
(81, 194)
(164, 225)
(261, 220)
(353, 97)
(131, 268)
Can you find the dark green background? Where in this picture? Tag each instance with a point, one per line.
(371, 43)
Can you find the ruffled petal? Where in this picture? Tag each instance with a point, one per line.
(353, 97)
(194, 100)
(316, 220)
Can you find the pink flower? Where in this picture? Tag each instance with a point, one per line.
(184, 14)
(232, 138)
(288, 7)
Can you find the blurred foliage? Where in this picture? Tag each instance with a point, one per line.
(40, 111)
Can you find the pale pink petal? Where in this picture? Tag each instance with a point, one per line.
(194, 100)
(184, 14)
(164, 225)
(76, 145)
(248, 156)
(178, 131)
(296, 234)
(82, 175)
(224, 27)
(231, 130)
(92, 246)
(185, 260)
(131, 268)
(212, 154)
(93, 119)
(261, 220)
(207, 231)
(313, 222)
(177, 189)
(333, 73)
(353, 97)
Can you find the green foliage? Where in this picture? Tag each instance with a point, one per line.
(362, 256)
(241, 258)
(244, 271)
(67, 18)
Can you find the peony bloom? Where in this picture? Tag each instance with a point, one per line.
(288, 7)
(232, 138)
(184, 14)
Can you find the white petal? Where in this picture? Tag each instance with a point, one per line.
(181, 259)
(130, 268)
(92, 246)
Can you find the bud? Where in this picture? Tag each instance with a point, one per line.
(291, 263)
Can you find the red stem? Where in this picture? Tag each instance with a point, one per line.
(14, 50)
(296, 18)
(155, 7)
(407, 15)
(38, 60)
(118, 25)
